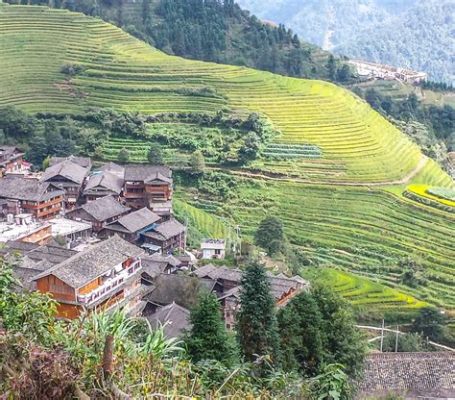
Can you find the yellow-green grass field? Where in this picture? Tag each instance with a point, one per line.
(362, 229)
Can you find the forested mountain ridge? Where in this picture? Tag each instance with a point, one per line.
(413, 33)
(209, 30)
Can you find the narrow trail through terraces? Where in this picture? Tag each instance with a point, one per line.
(283, 178)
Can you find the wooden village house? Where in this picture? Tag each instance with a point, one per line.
(11, 160)
(133, 226)
(104, 276)
(99, 213)
(44, 200)
(68, 176)
(147, 185)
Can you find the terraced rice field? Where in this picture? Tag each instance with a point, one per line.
(356, 229)
(126, 74)
(365, 294)
(359, 229)
(200, 223)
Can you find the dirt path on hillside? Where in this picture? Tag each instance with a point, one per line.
(405, 180)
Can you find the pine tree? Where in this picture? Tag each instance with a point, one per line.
(257, 327)
(208, 338)
(154, 155)
(302, 336)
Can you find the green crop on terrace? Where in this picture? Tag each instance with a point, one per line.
(330, 141)
(364, 293)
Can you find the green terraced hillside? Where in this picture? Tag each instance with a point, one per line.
(344, 203)
(124, 73)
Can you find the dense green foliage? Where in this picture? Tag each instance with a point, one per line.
(154, 155)
(208, 339)
(408, 343)
(270, 235)
(256, 324)
(430, 323)
(316, 329)
(41, 358)
(441, 120)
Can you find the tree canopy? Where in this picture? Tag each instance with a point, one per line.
(270, 235)
(256, 323)
(208, 338)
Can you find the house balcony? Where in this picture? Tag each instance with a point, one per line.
(110, 285)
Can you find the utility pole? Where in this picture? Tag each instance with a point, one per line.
(237, 229)
(382, 334)
(396, 340)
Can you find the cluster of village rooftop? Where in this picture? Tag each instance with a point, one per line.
(103, 238)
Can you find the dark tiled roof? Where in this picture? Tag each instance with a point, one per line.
(9, 153)
(27, 269)
(214, 272)
(67, 169)
(174, 319)
(84, 162)
(156, 264)
(418, 375)
(146, 172)
(27, 189)
(169, 259)
(279, 285)
(114, 169)
(182, 289)
(87, 265)
(167, 230)
(136, 220)
(35, 252)
(104, 208)
(104, 180)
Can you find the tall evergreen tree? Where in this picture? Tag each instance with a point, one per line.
(208, 338)
(302, 336)
(256, 326)
(317, 328)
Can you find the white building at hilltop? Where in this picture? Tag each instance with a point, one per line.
(369, 70)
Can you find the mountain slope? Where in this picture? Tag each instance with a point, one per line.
(209, 30)
(331, 211)
(124, 73)
(415, 33)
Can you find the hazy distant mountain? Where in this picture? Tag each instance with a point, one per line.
(415, 33)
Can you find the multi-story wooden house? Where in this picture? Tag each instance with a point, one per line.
(11, 160)
(102, 183)
(99, 213)
(146, 185)
(70, 177)
(104, 276)
(41, 199)
(132, 226)
(167, 237)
